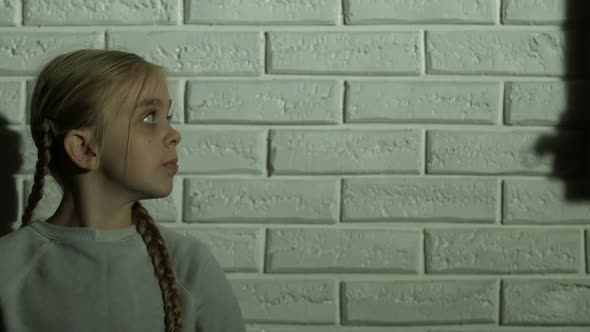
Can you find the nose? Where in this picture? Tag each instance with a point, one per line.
(175, 137)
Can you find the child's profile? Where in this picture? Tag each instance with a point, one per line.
(100, 121)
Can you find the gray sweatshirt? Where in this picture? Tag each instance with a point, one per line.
(58, 279)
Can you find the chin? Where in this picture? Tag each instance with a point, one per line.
(162, 194)
(156, 193)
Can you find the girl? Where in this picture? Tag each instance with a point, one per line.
(99, 121)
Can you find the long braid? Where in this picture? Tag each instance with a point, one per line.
(162, 266)
(41, 169)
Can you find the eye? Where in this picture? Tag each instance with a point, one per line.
(153, 113)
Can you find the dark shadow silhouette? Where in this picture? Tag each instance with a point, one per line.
(570, 144)
(2, 323)
(10, 147)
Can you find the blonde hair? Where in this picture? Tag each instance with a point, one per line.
(70, 93)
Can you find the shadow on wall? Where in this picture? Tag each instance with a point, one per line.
(10, 142)
(2, 325)
(570, 144)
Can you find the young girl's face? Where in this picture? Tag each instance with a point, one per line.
(152, 140)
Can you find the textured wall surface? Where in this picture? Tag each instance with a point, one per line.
(355, 165)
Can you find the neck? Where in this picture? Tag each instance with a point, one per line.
(76, 212)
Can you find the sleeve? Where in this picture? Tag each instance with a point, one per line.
(217, 307)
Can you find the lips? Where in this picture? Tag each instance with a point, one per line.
(171, 166)
(171, 162)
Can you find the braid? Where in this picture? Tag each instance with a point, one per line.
(162, 265)
(41, 169)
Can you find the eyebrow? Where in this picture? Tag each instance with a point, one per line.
(152, 102)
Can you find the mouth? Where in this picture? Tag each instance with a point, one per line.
(171, 161)
(172, 165)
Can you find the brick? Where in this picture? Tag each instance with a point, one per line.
(257, 12)
(419, 302)
(438, 102)
(465, 251)
(345, 151)
(535, 103)
(12, 108)
(8, 12)
(195, 52)
(343, 250)
(420, 199)
(261, 200)
(411, 12)
(542, 11)
(23, 53)
(496, 52)
(540, 201)
(166, 209)
(217, 151)
(307, 301)
(358, 52)
(262, 102)
(110, 12)
(50, 199)
(546, 103)
(485, 152)
(236, 249)
(542, 302)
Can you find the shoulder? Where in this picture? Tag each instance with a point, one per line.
(202, 277)
(191, 257)
(23, 242)
(184, 247)
(18, 250)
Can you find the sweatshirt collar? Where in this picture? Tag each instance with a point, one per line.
(84, 233)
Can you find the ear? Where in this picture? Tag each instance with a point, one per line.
(80, 148)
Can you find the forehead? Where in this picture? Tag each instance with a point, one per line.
(149, 88)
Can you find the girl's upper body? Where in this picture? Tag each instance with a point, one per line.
(56, 279)
(100, 121)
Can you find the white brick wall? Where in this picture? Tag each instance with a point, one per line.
(355, 165)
